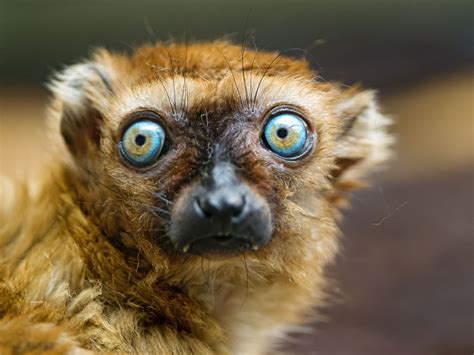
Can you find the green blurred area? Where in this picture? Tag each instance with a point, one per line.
(407, 281)
(380, 43)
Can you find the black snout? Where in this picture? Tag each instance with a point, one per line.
(221, 215)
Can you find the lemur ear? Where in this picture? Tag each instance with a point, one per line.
(80, 93)
(363, 143)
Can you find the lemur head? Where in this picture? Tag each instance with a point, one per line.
(206, 150)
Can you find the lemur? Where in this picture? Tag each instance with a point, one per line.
(190, 204)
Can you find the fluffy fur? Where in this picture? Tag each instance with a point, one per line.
(85, 262)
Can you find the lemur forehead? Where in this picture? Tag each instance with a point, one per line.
(210, 60)
(183, 98)
(186, 80)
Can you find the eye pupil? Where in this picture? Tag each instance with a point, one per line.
(140, 140)
(282, 133)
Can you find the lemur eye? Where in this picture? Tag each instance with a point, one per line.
(142, 142)
(286, 134)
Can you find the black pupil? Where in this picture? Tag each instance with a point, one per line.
(282, 133)
(140, 140)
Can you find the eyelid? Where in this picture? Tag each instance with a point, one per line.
(289, 108)
(144, 114)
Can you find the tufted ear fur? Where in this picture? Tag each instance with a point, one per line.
(363, 144)
(80, 93)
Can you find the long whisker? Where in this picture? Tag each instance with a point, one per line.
(164, 199)
(173, 73)
(307, 53)
(278, 56)
(264, 74)
(184, 101)
(233, 76)
(251, 69)
(154, 208)
(257, 51)
(149, 29)
(162, 84)
(244, 39)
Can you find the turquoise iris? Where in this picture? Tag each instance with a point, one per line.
(143, 142)
(286, 135)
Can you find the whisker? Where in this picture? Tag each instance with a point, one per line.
(257, 51)
(157, 209)
(164, 199)
(244, 39)
(173, 73)
(184, 100)
(251, 69)
(233, 76)
(313, 59)
(264, 74)
(149, 29)
(278, 56)
(162, 84)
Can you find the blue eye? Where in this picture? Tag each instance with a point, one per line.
(142, 142)
(286, 134)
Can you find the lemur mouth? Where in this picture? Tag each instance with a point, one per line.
(219, 244)
(222, 238)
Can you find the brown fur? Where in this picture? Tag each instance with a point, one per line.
(85, 264)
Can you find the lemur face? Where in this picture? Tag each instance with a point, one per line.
(210, 151)
(223, 165)
(218, 163)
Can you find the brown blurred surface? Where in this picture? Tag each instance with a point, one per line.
(22, 131)
(405, 274)
(434, 124)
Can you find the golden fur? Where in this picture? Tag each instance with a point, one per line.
(81, 270)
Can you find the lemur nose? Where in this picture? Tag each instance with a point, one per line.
(223, 203)
(222, 214)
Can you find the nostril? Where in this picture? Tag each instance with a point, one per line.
(238, 206)
(203, 207)
(223, 204)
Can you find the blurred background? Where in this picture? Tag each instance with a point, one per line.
(404, 279)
